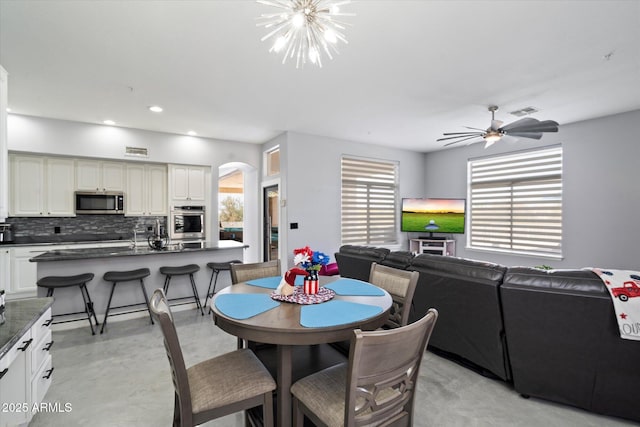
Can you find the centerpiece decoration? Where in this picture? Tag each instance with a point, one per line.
(311, 262)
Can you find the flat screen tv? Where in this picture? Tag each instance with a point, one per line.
(433, 216)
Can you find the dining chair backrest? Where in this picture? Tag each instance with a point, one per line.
(383, 373)
(161, 313)
(244, 272)
(401, 285)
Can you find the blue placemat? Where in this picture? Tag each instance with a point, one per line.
(243, 306)
(272, 282)
(335, 312)
(347, 286)
(266, 282)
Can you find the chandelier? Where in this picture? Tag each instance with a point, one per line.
(303, 29)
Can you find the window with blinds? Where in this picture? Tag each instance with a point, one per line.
(516, 203)
(369, 202)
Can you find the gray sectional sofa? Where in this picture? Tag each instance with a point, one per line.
(550, 334)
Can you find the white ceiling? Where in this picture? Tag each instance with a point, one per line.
(411, 70)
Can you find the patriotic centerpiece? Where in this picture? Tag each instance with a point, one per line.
(311, 262)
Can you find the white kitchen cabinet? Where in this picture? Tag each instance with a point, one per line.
(187, 183)
(15, 383)
(24, 273)
(94, 175)
(4, 146)
(26, 373)
(146, 190)
(41, 186)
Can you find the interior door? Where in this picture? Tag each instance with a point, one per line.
(271, 222)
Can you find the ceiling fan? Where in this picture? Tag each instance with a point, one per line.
(527, 127)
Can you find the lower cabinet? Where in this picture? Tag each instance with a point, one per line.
(26, 374)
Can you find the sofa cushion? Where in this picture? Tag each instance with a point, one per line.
(564, 343)
(466, 295)
(355, 261)
(398, 259)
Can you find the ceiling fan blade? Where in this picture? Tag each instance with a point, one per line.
(463, 133)
(464, 139)
(483, 130)
(531, 125)
(460, 136)
(532, 135)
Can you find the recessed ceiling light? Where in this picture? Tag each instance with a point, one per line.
(109, 122)
(155, 109)
(191, 133)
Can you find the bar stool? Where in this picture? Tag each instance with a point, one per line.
(52, 283)
(181, 271)
(125, 276)
(216, 268)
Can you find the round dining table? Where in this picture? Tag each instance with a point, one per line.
(281, 325)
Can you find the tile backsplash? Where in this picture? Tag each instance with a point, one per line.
(81, 227)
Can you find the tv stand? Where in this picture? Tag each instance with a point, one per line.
(433, 246)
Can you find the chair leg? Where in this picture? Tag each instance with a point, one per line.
(176, 412)
(165, 287)
(267, 410)
(86, 291)
(106, 313)
(195, 294)
(298, 415)
(87, 308)
(146, 299)
(49, 292)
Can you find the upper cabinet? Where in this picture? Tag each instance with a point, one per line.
(93, 175)
(41, 186)
(146, 192)
(187, 183)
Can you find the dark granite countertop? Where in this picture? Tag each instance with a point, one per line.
(55, 239)
(141, 249)
(20, 315)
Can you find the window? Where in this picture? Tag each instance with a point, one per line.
(272, 158)
(369, 202)
(516, 203)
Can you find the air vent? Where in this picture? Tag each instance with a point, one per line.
(524, 111)
(136, 152)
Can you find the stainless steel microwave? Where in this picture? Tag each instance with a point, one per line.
(91, 202)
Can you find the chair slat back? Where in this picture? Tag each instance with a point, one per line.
(161, 313)
(383, 372)
(401, 285)
(244, 272)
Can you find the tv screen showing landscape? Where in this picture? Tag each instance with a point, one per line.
(433, 215)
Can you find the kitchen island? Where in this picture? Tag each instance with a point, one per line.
(69, 262)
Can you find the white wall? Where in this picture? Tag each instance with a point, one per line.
(59, 137)
(314, 190)
(601, 191)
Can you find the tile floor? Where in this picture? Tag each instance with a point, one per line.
(121, 378)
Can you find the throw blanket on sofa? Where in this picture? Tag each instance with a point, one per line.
(624, 288)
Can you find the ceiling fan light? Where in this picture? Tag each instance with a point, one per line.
(492, 137)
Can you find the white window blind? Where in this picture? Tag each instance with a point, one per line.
(516, 203)
(368, 201)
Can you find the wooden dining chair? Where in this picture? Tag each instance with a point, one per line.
(256, 270)
(216, 387)
(401, 285)
(375, 387)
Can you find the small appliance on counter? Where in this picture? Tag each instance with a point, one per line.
(158, 239)
(6, 233)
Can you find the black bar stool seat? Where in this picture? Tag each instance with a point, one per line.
(182, 270)
(116, 277)
(216, 268)
(52, 283)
